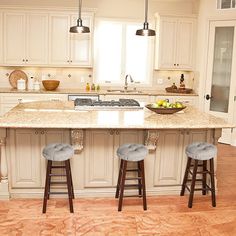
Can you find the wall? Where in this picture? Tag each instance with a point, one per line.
(131, 9)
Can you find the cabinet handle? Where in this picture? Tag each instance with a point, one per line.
(117, 132)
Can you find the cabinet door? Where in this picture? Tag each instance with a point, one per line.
(1, 38)
(80, 50)
(59, 40)
(14, 38)
(25, 155)
(166, 43)
(37, 39)
(169, 153)
(98, 158)
(185, 41)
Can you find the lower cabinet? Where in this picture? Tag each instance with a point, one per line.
(101, 161)
(170, 154)
(28, 167)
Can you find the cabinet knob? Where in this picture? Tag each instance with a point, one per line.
(174, 64)
(177, 64)
(26, 60)
(23, 60)
(70, 61)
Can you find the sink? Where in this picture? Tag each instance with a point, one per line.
(123, 91)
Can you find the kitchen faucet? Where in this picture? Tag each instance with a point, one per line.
(126, 81)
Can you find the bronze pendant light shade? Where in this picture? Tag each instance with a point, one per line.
(146, 31)
(79, 28)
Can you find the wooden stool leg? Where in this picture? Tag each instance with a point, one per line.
(185, 176)
(73, 195)
(119, 179)
(213, 194)
(204, 177)
(139, 180)
(143, 184)
(46, 188)
(49, 180)
(122, 185)
(190, 202)
(68, 181)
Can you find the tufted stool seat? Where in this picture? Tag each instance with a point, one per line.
(200, 153)
(58, 152)
(131, 153)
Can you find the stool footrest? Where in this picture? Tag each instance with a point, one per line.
(131, 185)
(133, 195)
(131, 170)
(58, 182)
(58, 192)
(58, 167)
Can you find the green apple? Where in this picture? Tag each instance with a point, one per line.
(154, 105)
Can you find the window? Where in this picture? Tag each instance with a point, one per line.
(118, 51)
(226, 4)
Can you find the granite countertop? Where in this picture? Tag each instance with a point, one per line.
(101, 92)
(55, 114)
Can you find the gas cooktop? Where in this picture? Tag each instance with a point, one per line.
(87, 103)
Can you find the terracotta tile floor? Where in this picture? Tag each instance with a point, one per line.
(166, 215)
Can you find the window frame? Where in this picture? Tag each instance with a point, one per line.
(219, 4)
(150, 72)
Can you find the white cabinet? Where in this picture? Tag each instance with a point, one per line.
(170, 154)
(28, 165)
(175, 43)
(9, 100)
(25, 38)
(101, 161)
(66, 48)
(1, 37)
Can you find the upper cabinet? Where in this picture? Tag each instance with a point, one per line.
(42, 38)
(25, 38)
(175, 43)
(66, 48)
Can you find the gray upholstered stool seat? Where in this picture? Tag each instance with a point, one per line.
(58, 152)
(201, 151)
(132, 152)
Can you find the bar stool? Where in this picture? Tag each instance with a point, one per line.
(200, 152)
(131, 153)
(58, 152)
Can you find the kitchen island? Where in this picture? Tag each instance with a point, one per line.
(96, 135)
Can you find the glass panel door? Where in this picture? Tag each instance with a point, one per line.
(222, 66)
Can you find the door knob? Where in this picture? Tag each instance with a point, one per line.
(208, 97)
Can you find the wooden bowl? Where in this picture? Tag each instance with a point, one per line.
(163, 110)
(50, 84)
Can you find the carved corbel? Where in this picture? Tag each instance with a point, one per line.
(77, 140)
(151, 139)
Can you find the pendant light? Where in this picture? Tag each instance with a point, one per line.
(145, 31)
(79, 28)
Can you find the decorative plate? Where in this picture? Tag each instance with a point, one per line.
(16, 75)
(164, 110)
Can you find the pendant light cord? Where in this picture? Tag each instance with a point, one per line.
(80, 4)
(146, 10)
